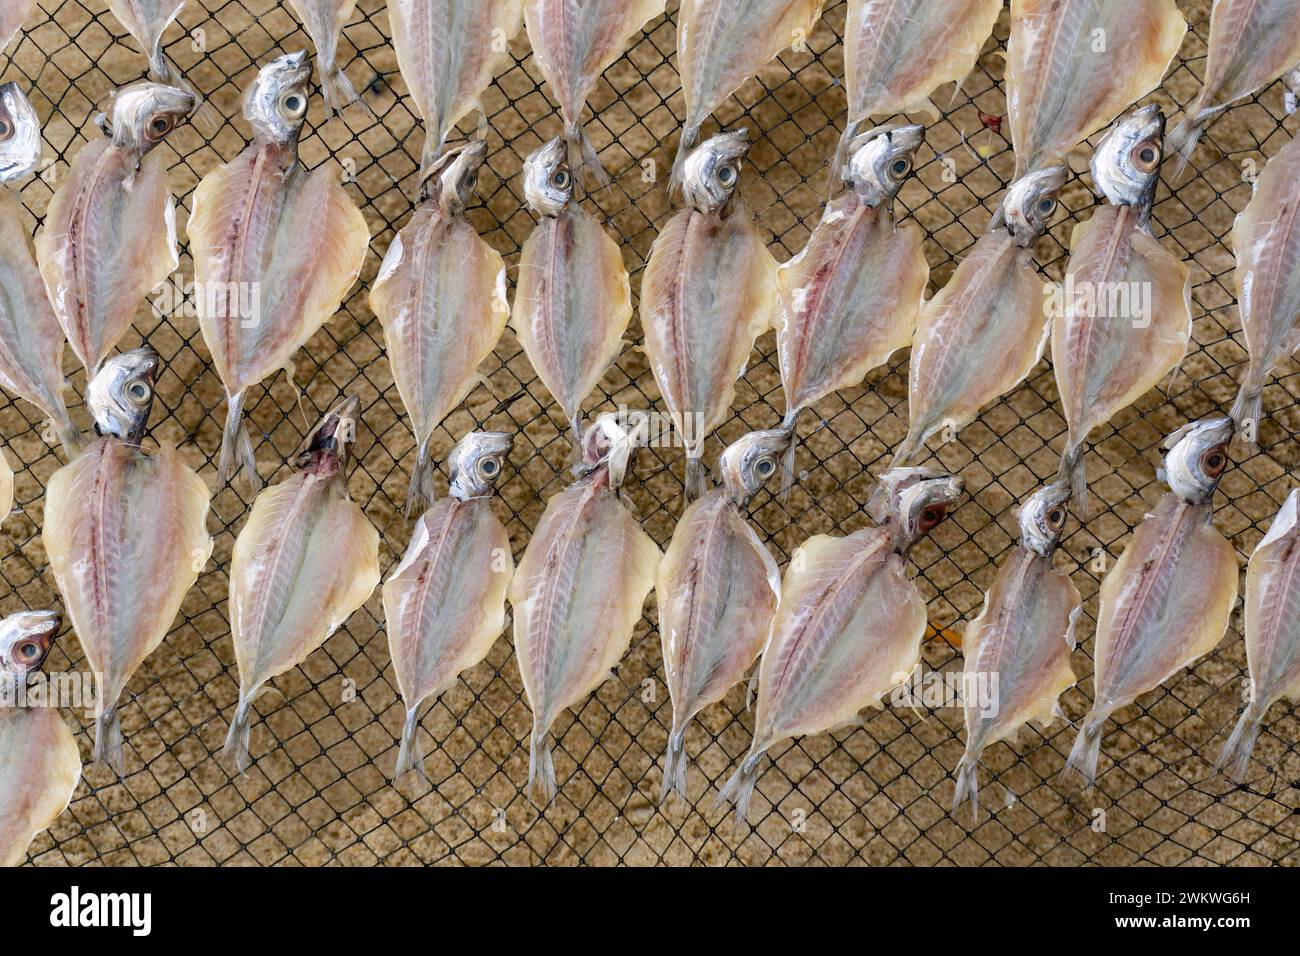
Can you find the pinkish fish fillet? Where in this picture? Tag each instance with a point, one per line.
(13, 14)
(40, 767)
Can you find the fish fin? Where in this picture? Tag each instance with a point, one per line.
(108, 741)
(410, 755)
(419, 493)
(674, 765)
(739, 788)
(1086, 750)
(541, 766)
(1235, 754)
(787, 459)
(1075, 472)
(237, 447)
(751, 689)
(338, 90)
(235, 751)
(690, 135)
(575, 435)
(1182, 141)
(842, 151)
(968, 786)
(696, 484)
(1246, 413)
(69, 436)
(582, 155)
(910, 448)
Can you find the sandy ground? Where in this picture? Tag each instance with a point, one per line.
(325, 740)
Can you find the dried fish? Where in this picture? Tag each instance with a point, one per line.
(147, 20)
(1167, 600)
(1272, 632)
(717, 589)
(13, 14)
(573, 302)
(850, 623)
(574, 42)
(1017, 651)
(276, 248)
(1125, 316)
(20, 134)
(578, 591)
(110, 231)
(445, 604)
(124, 531)
(306, 559)
(1075, 65)
(709, 290)
(441, 298)
(6, 486)
(984, 331)
(324, 21)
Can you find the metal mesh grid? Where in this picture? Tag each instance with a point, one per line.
(324, 744)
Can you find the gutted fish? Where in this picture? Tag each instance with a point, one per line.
(1272, 632)
(13, 13)
(276, 248)
(110, 230)
(574, 42)
(324, 21)
(984, 331)
(709, 290)
(441, 298)
(850, 623)
(40, 764)
(717, 589)
(1266, 240)
(572, 298)
(306, 559)
(147, 20)
(1124, 317)
(448, 52)
(1167, 600)
(1075, 65)
(445, 604)
(1017, 652)
(578, 591)
(124, 531)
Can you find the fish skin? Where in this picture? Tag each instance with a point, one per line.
(40, 768)
(1266, 241)
(13, 14)
(324, 21)
(147, 20)
(1059, 90)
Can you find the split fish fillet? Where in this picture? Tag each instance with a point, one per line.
(147, 20)
(40, 767)
(324, 21)
(13, 14)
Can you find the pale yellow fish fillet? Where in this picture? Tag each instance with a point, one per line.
(6, 486)
(13, 13)
(40, 767)
(1065, 80)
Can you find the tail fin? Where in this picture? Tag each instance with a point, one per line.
(1246, 411)
(69, 435)
(575, 434)
(690, 136)
(1075, 471)
(419, 493)
(739, 789)
(237, 447)
(108, 741)
(787, 460)
(1241, 744)
(909, 449)
(410, 755)
(337, 89)
(235, 752)
(696, 486)
(582, 155)
(674, 765)
(968, 786)
(541, 766)
(1087, 749)
(1188, 133)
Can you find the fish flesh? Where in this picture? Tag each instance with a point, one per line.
(1075, 65)
(324, 21)
(718, 589)
(31, 340)
(448, 52)
(306, 559)
(722, 44)
(1272, 632)
(147, 20)
(1252, 43)
(1166, 601)
(445, 603)
(1108, 347)
(709, 290)
(850, 298)
(276, 248)
(850, 623)
(13, 14)
(441, 298)
(578, 591)
(573, 301)
(6, 486)
(1266, 240)
(1017, 652)
(40, 765)
(574, 42)
(983, 332)
(125, 535)
(110, 231)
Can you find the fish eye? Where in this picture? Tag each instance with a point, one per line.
(931, 516)
(1056, 519)
(901, 167)
(138, 392)
(1146, 157)
(489, 467)
(1046, 206)
(28, 653)
(6, 128)
(471, 181)
(561, 179)
(294, 104)
(764, 467)
(727, 174)
(160, 126)
(1213, 462)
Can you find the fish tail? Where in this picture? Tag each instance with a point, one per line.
(1086, 750)
(968, 785)
(69, 435)
(674, 765)
(1187, 133)
(582, 155)
(696, 487)
(161, 69)
(787, 459)
(1075, 472)
(575, 433)
(410, 755)
(541, 766)
(909, 449)
(690, 135)
(108, 741)
(419, 493)
(739, 788)
(237, 447)
(842, 149)
(337, 89)
(235, 752)
(1241, 744)
(1247, 409)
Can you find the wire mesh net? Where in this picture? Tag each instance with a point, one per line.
(325, 742)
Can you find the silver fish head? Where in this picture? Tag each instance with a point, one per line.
(1030, 202)
(1197, 457)
(548, 182)
(608, 443)
(20, 134)
(1042, 518)
(911, 501)
(477, 462)
(145, 112)
(120, 395)
(712, 170)
(880, 161)
(1126, 164)
(25, 640)
(451, 181)
(328, 447)
(747, 464)
(276, 104)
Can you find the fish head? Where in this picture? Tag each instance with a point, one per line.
(477, 462)
(1042, 517)
(608, 443)
(20, 134)
(1197, 457)
(1030, 202)
(451, 181)
(911, 501)
(276, 103)
(747, 464)
(548, 181)
(880, 161)
(25, 640)
(328, 447)
(145, 113)
(1126, 163)
(712, 170)
(120, 395)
